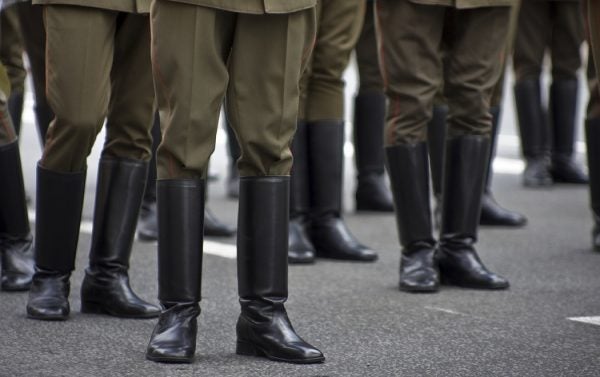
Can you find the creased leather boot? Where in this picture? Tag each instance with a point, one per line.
(328, 232)
(372, 193)
(592, 131)
(58, 216)
(464, 172)
(16, 243)
(418, 267)
(181, 209)
(563, 102)
(105, 288)
(300, 249)
(263, 328)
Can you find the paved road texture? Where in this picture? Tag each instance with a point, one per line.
(354, 312)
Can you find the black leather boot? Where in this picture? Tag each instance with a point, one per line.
(592, 133)
(58, 216)
(436, 141)
(105, 288)
(533, 129)
(15, 109)
(372, 193)
(329, 233)
(300, 249)
(491, 212)
(263, 327)
(464, 172)
(418, 268)
(16, 243)
(181, 209)
(563, 102)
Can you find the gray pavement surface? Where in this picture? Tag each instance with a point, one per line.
(354, 312)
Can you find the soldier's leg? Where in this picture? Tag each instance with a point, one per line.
(80, 46)
(11, 55)
(475, 40)
(369, 120)
(264, 121)
(567, 38)
(122, 175)
(16, 243)
(190, 47)
(339, 28)
(411, 63)
(34, 37)
(534, 27)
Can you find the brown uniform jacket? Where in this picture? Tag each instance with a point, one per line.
(130, 6)
(254, 6)
(465, 4)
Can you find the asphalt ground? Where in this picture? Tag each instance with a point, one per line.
(353, 312)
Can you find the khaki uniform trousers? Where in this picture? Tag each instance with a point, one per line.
(556, 26)
(322, 87)
(98, 66)
(11, 48)
(202, 55)
(367, 60)
(423, 46)
(7, 131)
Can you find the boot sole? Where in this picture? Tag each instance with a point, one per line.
(468, 286)
(170, 359)
(94, 308)
(249, 349)
(145, 238)
(420, 290)
(52, 318)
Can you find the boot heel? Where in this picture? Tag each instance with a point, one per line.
(92, 308)
(247, 349)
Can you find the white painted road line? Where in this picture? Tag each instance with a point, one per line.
(219, 249)
(590, 320)
(448, 311)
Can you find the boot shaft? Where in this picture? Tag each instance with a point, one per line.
(299, 178)
(58, 216)
(262, 240)
(14, 221)
(369, 122)
(533, 127)
(592, 133)
(180, 219)
(563, 108)
(119, 192)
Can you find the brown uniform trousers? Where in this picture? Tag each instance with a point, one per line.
(7, 132)
(111, 79)
(221, 52)
(413, 72)
(366, 54)
(322, 88)
(553, 25)
(11, 48)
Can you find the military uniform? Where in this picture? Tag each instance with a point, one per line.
(372, 193)
(250, 53)
(316, 223)
(554, 26)
(98, 65)
(11, 55)
(492, 213)
(16, 243)
(424, 43)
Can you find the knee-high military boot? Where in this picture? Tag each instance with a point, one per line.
(329, 233)
(533, 129)
(464, 172)
(491, 212)
(16, 243)
(300, 249)
(263, 327)
(436, 140)
(58, 216)
(592, 128)
(563, 102)
(181, 209)
(418, 268)
(105, 288)
(372, 193)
